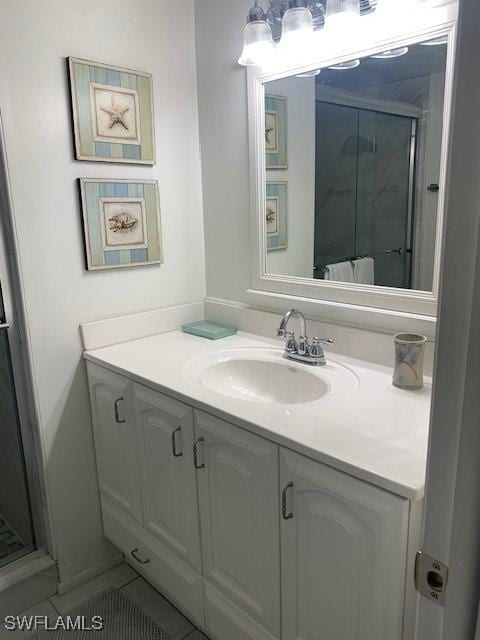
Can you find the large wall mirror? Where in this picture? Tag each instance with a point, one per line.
(352, 171)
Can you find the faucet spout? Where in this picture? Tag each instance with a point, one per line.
(293, 313)
(301, 350)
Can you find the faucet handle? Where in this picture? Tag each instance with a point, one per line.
(291, 345)
(323, 341)
(316, 349)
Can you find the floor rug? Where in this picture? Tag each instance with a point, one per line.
(119, 617)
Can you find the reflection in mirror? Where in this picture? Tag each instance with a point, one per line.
(353, 169)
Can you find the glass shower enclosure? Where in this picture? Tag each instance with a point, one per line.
(16, 527)
(365, 172)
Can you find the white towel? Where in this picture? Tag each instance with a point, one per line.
(364, 271)
(340, 272)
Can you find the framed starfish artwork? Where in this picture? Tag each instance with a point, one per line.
(112, 111)
(121, 221)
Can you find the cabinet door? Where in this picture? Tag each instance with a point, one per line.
(169, 490)
(240, 533)
(343, 555)
(115, 439)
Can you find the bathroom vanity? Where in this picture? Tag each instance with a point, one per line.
(265, 498)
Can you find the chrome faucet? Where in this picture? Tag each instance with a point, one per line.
(302, 350)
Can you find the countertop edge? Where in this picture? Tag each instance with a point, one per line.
(413, 493)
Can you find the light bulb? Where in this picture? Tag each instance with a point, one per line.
(258, 45)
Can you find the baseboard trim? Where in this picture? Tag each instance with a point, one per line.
(24, 568)
(64, 586)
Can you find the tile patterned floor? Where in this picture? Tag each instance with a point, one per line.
(132, 585)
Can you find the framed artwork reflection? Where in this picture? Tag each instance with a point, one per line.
(276, 215)
(121, 221)
(276, 132)
(112, 110)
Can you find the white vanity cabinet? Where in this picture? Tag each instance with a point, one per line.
(165, 454)
(115, 440)
(147, 484)
(343, 555)
(238, 498)
(251, 540)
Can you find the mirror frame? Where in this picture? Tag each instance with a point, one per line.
(335, 299)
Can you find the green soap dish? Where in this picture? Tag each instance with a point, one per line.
(210, 330)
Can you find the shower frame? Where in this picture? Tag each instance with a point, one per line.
(25, 394)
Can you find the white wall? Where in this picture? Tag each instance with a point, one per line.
(34, 99)
(224, 145)
(297, 259)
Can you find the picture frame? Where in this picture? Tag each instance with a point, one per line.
(121, 222)
(276, 216)
(112, 112)
(276, 152)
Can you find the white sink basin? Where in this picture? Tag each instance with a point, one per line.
(263, 375)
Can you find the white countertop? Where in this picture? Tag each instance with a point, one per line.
(375, 432)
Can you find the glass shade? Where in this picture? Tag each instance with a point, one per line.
(297, 33)
(392, 53)
(342, 15)
(258, 46)
(345, 66)
(298, 19)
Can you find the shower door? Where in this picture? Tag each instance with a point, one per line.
(16, 530)
(365, 166)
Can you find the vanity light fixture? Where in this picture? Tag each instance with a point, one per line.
(258, 45)
(398, 15)
(391, 53)
(345, 66)
(342, 16)
(297, 30)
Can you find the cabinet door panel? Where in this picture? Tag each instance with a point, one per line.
(239, 519)
(165, 436)
(173, 577)
(115, 439)
(343, 555)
